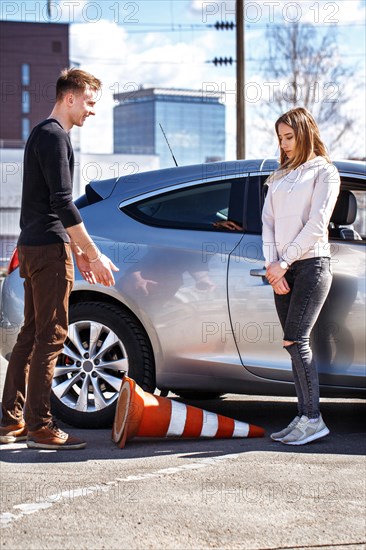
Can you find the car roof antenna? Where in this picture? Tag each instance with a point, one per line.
(170, 149)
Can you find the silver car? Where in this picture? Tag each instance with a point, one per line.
(191, 311)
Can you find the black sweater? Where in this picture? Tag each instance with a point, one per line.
(47, 205)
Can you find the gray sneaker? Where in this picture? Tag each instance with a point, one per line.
(306, 431)
(277, 436)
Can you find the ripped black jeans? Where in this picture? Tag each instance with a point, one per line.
(309, 281)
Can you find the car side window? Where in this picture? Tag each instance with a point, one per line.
(348, 221)
(359, 224)
(205, 206)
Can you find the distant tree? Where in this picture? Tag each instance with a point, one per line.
(305, 66)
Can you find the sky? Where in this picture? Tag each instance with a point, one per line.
(172, 43)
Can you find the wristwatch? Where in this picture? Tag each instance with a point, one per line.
(284, 264)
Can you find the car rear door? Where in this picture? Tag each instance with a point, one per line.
(178, 281)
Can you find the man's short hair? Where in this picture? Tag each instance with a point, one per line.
(75, 80)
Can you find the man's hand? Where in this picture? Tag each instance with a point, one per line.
(102, 268)
(85, 268)
(95, 266)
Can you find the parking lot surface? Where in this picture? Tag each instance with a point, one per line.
(196, 494)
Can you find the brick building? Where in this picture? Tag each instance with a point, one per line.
(31, 58)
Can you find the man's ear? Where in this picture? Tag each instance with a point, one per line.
(69, 99)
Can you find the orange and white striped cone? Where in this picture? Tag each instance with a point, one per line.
(143, 414)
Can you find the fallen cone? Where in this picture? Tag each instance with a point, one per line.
(143, 414)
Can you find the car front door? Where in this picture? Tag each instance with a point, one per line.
(338, 337)
(255, 324)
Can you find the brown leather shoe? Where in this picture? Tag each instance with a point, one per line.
(51, 437)
(13, 433)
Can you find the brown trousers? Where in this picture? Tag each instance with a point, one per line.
(48, 273)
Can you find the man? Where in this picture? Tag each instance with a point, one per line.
(51, 229)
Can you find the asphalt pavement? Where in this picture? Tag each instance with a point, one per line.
(195, 494)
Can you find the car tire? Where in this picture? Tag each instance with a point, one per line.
(104, 342)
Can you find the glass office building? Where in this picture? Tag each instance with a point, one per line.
(193, 121)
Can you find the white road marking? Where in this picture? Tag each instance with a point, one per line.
(7, 518)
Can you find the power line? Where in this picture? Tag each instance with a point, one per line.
(223, 25)
(119, 61)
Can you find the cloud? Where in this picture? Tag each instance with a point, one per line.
(262, 12)
(212, 11)
(196, 6)
(322, 12)
(125, 61)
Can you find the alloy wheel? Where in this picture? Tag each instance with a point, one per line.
(88, 374)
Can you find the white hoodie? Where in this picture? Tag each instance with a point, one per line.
(297, 212)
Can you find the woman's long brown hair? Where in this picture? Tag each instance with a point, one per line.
(307, 138)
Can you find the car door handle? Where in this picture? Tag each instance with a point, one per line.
(258, 272)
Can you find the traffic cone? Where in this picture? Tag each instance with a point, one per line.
(143, 414)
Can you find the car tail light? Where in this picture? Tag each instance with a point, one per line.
(14, 261)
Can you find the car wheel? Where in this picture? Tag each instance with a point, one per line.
(104, 342)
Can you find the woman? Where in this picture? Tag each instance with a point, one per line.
(301, 197)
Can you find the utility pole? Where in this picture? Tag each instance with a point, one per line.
(240, 81)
